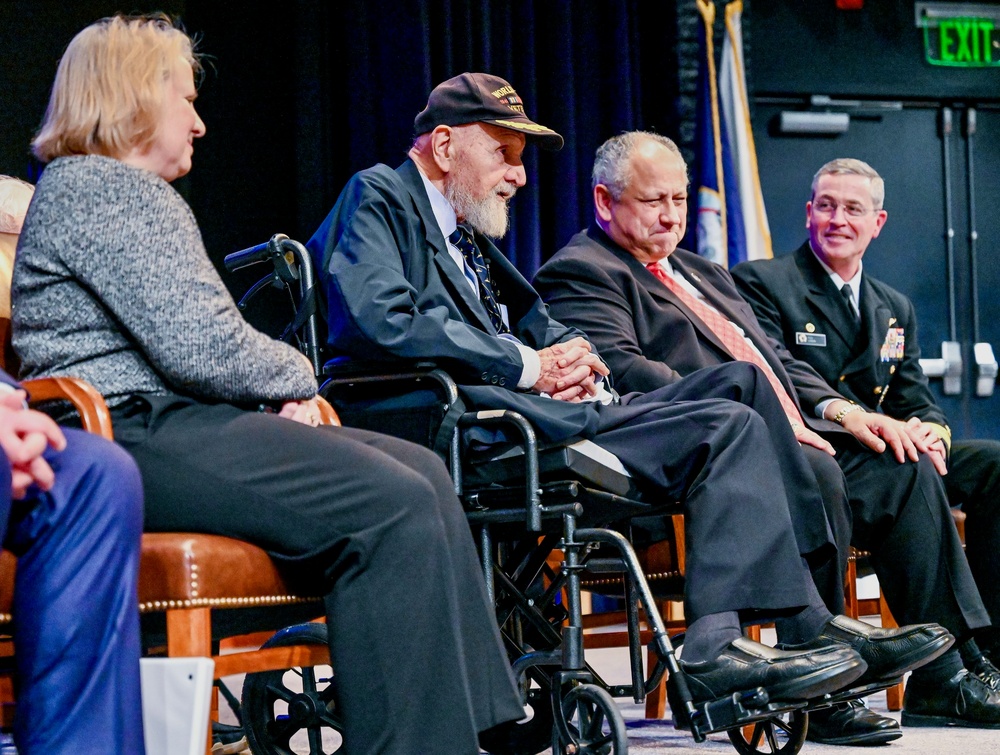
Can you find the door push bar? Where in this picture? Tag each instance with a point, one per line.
(949, 367)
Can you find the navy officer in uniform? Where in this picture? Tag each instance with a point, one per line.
(860, 334)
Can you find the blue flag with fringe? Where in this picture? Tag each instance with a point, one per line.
(710, 201)
(749, 236)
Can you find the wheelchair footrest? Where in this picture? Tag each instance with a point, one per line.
(738, 709)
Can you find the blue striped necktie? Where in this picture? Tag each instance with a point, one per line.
(462, 239)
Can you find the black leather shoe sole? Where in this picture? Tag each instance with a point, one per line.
(922, 719)
(851, 724)
(869, 739)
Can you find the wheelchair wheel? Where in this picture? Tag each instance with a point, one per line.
(292, 711)
(591, 724)
(784, 734)
(528, 736)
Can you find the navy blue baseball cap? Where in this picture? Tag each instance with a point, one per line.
(481, 98)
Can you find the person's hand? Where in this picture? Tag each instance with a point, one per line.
(569, 370)
(807, 437)
(306, 412)
(880, 432)
(14, 399)
(24, 436)
(928, 442)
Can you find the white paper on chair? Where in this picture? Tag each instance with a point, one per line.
(175, 704)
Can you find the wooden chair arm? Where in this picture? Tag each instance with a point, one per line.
(89, 404)
(327, 414)
(679, 542)
(959, 518)
(94, 414)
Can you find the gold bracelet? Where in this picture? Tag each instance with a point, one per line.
(852, 407)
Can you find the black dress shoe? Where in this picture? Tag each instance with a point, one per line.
(228, 740)
(745, 664)
(964, 700)
(851, 724)
(985, 670)
(889, 653)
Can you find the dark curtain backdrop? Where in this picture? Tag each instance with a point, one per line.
(326, 89)
(300, 94)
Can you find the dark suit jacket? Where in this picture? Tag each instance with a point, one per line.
(394, 292)
(643, 331)
(797, 303)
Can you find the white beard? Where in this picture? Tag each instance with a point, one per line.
(488, 215)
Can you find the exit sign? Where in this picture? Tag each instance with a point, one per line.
(960, 34)
(969, 42)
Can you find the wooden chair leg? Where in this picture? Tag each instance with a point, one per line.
(189, 634)
(893, 695)
(656, 701)
(851, 589)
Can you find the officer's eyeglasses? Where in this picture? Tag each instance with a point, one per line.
(852, 209)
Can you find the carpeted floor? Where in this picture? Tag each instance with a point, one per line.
(660, 738)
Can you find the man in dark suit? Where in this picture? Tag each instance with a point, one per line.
(71, 511)
(861, 336)
(657, 314)
(409, 272)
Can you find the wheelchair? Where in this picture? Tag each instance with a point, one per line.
(528, 505)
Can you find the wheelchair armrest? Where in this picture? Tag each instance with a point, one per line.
(347, 366)
(347, 371)
(88, 403)
(408, 400)
(532, 491)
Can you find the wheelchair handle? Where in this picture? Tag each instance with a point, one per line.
(291, 262)
(273, 247)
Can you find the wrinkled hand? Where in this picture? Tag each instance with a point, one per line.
(880, 432)
(928, 442)
(569, 370)
(24, 436)
(306, 412)
(807, 437)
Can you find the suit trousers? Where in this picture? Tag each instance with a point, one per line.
(829, 573)
(719, 441)
(901, 515)
(374, 525)
(76, 617)
(973, 482)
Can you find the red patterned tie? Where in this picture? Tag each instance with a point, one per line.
(730, 338)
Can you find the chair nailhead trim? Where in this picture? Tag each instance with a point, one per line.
(618, 580)
(264, 600)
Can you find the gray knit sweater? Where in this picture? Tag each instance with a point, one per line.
(112, 284)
